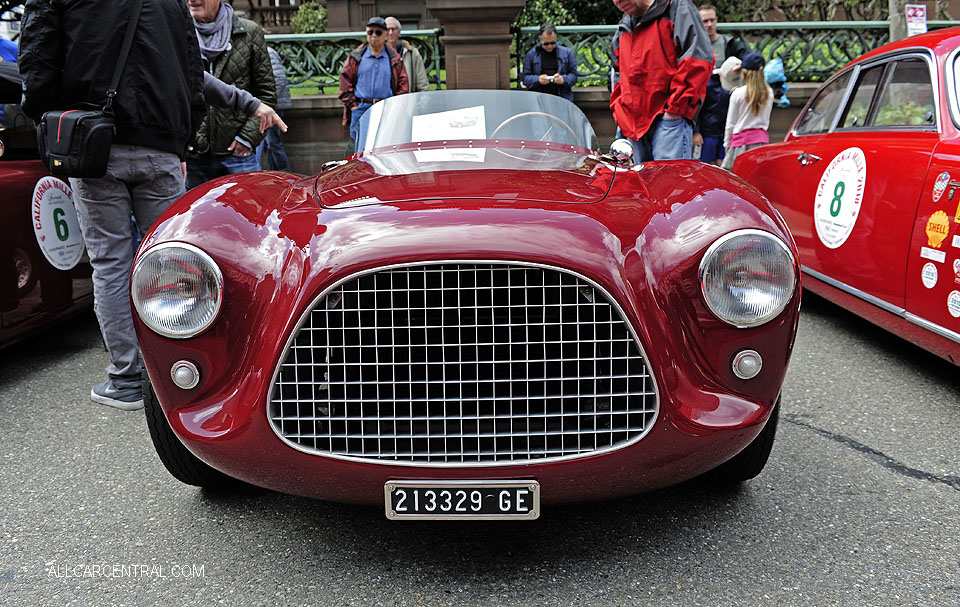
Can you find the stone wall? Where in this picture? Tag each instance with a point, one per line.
(316, 134)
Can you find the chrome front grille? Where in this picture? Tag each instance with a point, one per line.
(463, 363)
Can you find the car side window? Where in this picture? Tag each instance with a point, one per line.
(856, 115)
(906, 98)
(819, 116)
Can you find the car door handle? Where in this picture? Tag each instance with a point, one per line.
(806, 159)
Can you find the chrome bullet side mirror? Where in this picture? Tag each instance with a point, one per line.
(622, 151)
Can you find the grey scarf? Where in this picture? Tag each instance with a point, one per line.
(214, 37)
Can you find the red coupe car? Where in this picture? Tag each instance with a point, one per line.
(867, 180)
(44, 272)
(475, 317)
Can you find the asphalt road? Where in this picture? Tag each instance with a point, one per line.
(859, 505)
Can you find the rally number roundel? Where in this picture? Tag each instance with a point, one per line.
(839, 195)
(55, 223)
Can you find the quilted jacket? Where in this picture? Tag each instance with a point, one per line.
(247, 66)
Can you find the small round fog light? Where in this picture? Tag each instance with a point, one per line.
(185, 374)
(747, 364)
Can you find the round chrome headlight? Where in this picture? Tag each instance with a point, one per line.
(177, 290)
(747, 277)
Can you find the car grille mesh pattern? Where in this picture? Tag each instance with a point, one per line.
(463, 364)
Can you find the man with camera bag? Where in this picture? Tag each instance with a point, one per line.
(68, 54)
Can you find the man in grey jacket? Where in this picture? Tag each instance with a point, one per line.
(412, 61)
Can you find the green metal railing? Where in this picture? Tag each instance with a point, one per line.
(315, 60)
(810, 50)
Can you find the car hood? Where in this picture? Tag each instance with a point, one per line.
(493, 173)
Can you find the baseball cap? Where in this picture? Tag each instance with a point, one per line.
(377, 22)
(730, 74)
(752, 61)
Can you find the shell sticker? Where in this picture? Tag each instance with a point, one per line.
(55, 223)
(929, 275)
(953, 304)
(938, 228)
(836, 205)
(940, 185)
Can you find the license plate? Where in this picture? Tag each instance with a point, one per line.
(462, 499)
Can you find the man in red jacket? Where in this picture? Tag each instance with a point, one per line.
(662, 59)
(372, 72)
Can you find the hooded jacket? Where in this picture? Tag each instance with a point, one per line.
(68, 52)
(661, 62)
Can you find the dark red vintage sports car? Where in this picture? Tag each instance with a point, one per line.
(867, 180)
(476, 317)
(44, 271)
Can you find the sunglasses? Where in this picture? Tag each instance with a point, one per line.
(374, 32)
(548, 43)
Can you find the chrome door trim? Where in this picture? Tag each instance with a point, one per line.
(884, 305)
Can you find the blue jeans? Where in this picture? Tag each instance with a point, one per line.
(272, 145)
(667, 139)
(355, 132)
(203, 168)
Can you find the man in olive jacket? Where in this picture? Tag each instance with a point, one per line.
(235, 51)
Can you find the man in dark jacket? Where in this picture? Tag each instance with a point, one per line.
(68, 52)
(372, 72)
(550, 67)
(662, 60)
(235, 51)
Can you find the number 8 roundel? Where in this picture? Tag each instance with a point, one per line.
(836, 205)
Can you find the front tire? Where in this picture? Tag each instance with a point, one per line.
(176, 458)
(749, 462)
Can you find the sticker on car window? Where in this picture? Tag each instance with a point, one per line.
(933, 254)
(836, 205)
(940, 185)
(929, 275)
(55, 223)
(953, 304)
(938, 228)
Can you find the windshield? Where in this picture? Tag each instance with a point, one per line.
(470, 115)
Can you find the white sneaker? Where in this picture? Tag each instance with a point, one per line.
(128, 399)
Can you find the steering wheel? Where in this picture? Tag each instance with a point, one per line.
(551, 117)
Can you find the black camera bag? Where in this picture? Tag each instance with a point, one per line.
(76, 142)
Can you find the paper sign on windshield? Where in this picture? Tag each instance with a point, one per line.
(465, 123)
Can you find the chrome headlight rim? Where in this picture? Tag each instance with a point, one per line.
(206, 259)
(708, 257)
